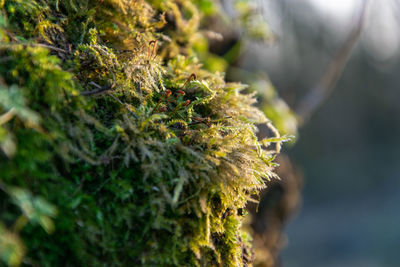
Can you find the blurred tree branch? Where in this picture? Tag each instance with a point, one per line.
(326, 84)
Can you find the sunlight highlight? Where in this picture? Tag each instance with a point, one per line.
(337, 8)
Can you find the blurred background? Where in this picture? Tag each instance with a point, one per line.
(348, 151)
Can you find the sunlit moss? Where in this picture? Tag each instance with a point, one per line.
(145, 157)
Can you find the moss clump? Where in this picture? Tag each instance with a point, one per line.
(117, 148)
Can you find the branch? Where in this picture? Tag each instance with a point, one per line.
(11, 45)
(325, 85)
(51, 48)
(100, 89)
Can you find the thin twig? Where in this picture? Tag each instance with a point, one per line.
(38, 44)
(51, 48)
(116, 99)
(100, 89)
(123, 104)
(325, 85)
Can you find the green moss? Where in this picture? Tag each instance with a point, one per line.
(100, 115)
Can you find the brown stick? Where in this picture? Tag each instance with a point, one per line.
(325, 85)
(100, 89)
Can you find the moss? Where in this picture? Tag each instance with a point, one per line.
(117, 147)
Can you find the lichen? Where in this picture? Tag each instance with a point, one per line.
(117, 148)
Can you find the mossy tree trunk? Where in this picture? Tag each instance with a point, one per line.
(117, 148)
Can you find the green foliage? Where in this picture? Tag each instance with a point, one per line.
(111, 151)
